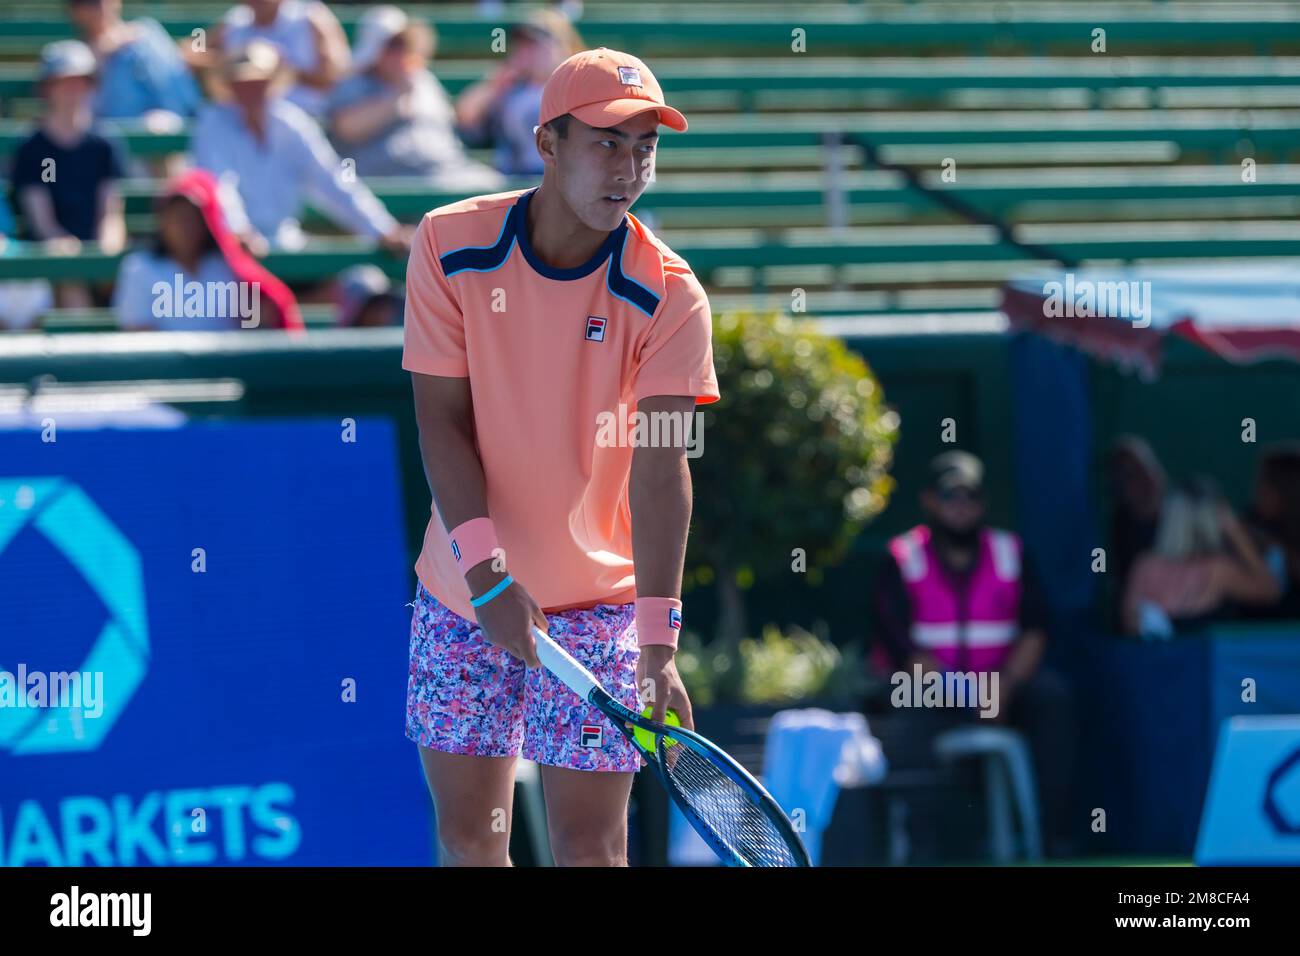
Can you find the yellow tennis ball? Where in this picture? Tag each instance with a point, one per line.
(646, 739)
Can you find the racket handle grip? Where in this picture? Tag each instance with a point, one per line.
(560, 663)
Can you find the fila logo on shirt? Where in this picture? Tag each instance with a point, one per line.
(593, 735)
(596, 328)
(455, 549)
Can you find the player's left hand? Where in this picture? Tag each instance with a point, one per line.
(661, 686)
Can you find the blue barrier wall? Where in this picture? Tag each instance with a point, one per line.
(221, 733)
(1153, 713)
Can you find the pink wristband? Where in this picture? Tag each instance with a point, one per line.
(473, 541)
(658, 621)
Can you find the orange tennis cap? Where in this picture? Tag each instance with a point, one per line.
(603, 88)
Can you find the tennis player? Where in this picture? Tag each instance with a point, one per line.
(532, 317)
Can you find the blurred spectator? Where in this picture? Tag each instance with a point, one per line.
(1202, 561)
(276, 156)
(958, 596)
(197, 276)
(1274, 523)
(141, 74)
(64, 175)
(366, 298)
(1138, 484)
(393, 117)
(502, 110)
(305, 33)
(22, 301)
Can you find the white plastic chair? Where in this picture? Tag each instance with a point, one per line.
(1008, 778)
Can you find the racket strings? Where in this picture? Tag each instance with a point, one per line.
(728, 809)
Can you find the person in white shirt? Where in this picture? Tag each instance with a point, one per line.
(275, 157)
(196, 276)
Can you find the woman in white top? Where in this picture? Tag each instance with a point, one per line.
(197, 277)
(1202, 564)
(185, 253)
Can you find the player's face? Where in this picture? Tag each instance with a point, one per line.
(602, 172)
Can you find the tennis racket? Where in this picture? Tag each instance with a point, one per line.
(737, 818)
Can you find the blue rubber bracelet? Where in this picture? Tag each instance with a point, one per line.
(489, 595)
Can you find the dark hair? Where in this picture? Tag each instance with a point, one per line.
(560, 125)
(1279, 466)
(209, 241)
(1280, 463)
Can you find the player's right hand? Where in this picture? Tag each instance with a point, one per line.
(508, 618)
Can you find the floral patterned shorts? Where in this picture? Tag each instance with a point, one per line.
(468, 696)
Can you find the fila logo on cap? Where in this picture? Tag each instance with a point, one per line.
(595, 329)
(593, 735)
(629, 76)
(674, 619)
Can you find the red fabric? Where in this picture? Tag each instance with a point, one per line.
(1242, 346)
(1109, 338)
(1120, 341)
(200, 187)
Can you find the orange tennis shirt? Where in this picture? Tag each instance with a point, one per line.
(547, 351)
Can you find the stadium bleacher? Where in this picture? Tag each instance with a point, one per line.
(1143, 142)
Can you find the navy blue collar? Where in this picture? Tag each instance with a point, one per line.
(612, 244)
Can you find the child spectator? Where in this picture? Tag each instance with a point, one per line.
(502, 110)
(65, 176)
(195, 250)
(276, 156)
(393, 117)
(141, 73)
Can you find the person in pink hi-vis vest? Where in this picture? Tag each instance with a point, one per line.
(955, 595)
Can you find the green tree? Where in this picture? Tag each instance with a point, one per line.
(796, 457)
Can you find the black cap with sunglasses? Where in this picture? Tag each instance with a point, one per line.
(956, 471)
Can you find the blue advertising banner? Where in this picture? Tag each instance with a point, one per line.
(1252, 810)
(203, 642)
(1158, 708)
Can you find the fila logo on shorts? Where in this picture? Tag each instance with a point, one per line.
(629, 76)
(595, 329)
(593, 735)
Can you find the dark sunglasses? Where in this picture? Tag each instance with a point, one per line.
(960, 494)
